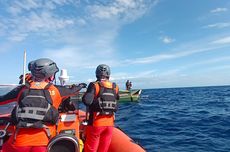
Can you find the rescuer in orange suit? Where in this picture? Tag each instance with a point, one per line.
(101, 98)
(36, 114)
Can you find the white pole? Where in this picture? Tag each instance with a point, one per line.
(24, 68)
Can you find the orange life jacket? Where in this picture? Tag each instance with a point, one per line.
(35, 107)
(104, 104)
(37, 136)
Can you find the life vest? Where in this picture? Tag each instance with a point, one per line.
(35, 107)
(105, 101)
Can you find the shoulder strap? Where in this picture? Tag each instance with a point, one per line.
(97, 88)
(27, 85)
(47, 93)
(115, 87)
(48, 86)
(24, 91)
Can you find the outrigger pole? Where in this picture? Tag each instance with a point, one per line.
(24, 68)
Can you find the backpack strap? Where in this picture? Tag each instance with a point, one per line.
(48, 86)
(97, 88)
(47, 93)
(27, 85)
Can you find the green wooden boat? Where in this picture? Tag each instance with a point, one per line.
(130, 96)
(125, 95)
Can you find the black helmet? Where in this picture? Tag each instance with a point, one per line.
(102, 70)
(43, 68)
(30, 65)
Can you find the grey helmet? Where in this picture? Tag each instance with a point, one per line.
(30, 65)
(102, 70)
(43, 68)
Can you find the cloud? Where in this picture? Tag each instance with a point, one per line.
(122, 10)
(168, 56)
(19, 7)
(224, 40)
(218, 10)
(125, 76)
(40, 18)
(34, 18)
(83, 32)
(167, 39)
(40, 24)
(218, 25)
(207, 63)
(75, 57)
(185, 50)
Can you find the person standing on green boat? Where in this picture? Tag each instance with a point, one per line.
(128, 85)
(101, 100)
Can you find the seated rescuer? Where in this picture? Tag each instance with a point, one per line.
(36, 115)
(101, 98)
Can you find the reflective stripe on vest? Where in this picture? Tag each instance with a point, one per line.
(32, 112)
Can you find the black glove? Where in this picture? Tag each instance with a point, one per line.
(82, 85)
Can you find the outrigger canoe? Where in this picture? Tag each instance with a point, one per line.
(70, 131)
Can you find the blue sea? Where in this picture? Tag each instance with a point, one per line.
(179, 119)
(195, 119)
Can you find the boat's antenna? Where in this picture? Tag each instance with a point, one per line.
(24, 68)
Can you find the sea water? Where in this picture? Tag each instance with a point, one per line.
(179, 119)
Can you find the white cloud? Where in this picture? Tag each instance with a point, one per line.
(19, 7)
(122, 10)
(77, 57)
(222, 67)
(46, 18)
(37, 23)
(31, 17)
(187, 49)
(173, 55)
(208, 63)
(225, 40)
(217, 10)
(218, 25)
(167, 39)
(125, 76)
(86, 41)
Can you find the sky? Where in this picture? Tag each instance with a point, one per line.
(153, 43)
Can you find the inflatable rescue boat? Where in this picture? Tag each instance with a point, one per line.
(70, 131)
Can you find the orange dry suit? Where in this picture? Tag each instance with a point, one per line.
(34, 124)
(101, 98)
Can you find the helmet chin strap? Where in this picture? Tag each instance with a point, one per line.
(51, 79)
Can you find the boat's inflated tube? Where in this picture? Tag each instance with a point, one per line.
(63, 143)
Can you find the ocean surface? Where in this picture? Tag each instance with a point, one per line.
(193, 119)
(178, 119)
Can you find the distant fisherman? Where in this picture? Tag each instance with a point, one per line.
(128, 85)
